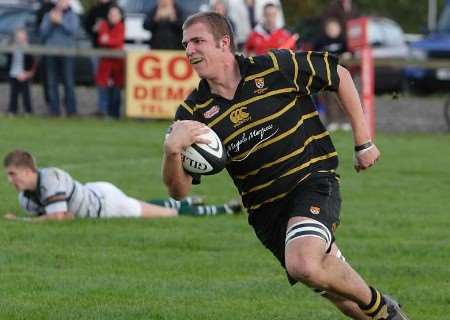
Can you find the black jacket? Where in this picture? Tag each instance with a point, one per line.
(28, 62)
(165, 34)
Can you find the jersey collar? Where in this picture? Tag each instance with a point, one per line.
(36, 194)
(204, 92)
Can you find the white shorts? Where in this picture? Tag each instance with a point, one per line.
(115, 203)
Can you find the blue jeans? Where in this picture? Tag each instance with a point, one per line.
(61, 67)
(109, 100)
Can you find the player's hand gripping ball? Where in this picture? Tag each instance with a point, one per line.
(205, 159)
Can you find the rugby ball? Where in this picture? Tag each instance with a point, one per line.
(205, 159)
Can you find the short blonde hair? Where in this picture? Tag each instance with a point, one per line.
(20, 158)
(217, 24)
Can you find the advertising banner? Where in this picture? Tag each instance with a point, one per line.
(157, 82)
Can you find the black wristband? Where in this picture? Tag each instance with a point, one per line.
(363, 146)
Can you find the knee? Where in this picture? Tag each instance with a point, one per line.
(306, 271)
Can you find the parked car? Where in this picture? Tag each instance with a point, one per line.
(12, 17)
(388, 41)
(435, 45)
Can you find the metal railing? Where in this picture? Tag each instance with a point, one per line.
(91, 52)
(57, 51)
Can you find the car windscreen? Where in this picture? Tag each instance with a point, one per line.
(383, 32)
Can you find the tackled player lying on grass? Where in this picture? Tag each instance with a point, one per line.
(52, 194)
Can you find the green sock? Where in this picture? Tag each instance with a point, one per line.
(185, 207)
(204, 210)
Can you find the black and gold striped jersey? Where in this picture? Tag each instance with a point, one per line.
(271, 128)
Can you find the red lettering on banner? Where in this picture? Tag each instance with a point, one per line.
(175, 73)
(176, 93)
(140, 92)
(160, 93)
(156, 93)
(149, 67)
(152, 108)
(146, 70)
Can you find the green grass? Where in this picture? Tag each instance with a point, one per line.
(395, 231)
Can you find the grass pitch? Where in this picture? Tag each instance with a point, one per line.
(394, 231)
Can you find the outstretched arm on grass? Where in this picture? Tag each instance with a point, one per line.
(58, 216)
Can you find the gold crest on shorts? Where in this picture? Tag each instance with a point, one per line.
(314, 210)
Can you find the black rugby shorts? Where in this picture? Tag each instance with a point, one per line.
(317, 197)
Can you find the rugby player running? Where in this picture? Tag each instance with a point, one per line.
(281, 157)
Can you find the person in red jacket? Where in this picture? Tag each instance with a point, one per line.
(111, 71)
(268, 35)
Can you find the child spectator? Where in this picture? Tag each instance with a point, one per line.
(21, 70)
(110, 72)
(333, 40)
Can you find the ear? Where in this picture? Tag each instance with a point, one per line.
(28, 171)
(225, 42)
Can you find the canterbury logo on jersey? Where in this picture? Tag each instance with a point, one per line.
(239, 116)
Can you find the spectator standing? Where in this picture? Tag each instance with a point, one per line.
(44, 7)
(333, 40)
(243, 17)
(96, 14)
(58, 29)
(250, 6)
(342, 10)
(165, 22)
(21, 70)
(221, 7)
(267, 35)
(110, 72)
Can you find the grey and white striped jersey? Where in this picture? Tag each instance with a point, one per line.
(57, 192)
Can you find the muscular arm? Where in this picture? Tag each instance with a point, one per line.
(178, 183)
(353, 108)
(183, 134)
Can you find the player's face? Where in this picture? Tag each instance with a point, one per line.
(21, 178)
(203, 51)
